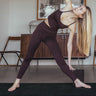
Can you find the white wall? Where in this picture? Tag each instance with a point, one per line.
(15, 16)
(21, 13)
(4, 19)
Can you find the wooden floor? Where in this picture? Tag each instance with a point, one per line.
(44, 74)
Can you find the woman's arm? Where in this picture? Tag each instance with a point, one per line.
(68, 2)
(69, 44)
(68, 5)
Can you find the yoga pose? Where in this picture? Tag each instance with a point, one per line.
(46, 31)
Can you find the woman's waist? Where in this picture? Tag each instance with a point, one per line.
(47, 27)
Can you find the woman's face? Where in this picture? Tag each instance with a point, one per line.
(79, 11)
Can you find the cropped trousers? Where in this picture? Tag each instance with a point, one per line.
(43, 33)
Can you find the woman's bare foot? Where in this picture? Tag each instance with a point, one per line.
(15, 85)
(79, 84)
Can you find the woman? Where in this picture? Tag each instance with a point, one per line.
(46, 32)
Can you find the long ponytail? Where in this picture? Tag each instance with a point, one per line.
(84, 32)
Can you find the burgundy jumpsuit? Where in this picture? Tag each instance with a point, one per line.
(46, 34)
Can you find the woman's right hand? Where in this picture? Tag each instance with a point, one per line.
(71, 68)
(15, 85)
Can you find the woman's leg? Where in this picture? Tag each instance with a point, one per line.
(33, 45)
(55, 50)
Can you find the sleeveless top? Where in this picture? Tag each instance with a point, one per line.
(54, 20)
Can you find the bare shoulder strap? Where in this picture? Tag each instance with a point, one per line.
(72, 23)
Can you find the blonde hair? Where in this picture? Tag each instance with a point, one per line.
(84, 32)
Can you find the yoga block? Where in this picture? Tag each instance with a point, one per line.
(80, 74)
